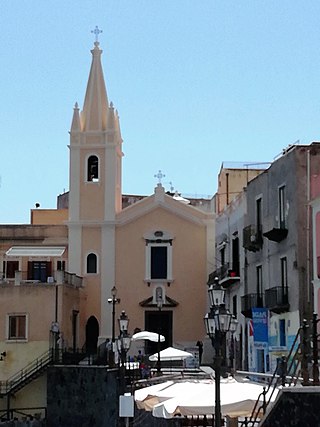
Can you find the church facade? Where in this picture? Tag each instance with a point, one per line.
(59, 271)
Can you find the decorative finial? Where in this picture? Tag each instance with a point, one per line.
(159, 175)
(96, 32)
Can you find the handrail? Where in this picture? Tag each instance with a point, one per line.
(24, 374)
(280, 374)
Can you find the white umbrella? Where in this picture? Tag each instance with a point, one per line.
(237, 399)
(146, 335)
(145, 393)
(170, 353)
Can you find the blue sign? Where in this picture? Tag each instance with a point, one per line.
(260, 325)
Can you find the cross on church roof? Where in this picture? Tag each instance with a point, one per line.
(96, 32)
(159, 175)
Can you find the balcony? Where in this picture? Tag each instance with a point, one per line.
(227, 275)
(277, 234)
(252, 238)
(58, 277)
(277, 299)
(250, 301)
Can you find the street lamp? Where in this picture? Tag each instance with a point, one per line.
(159, 305)
(218, 322)
(123, 342)
(113, 300)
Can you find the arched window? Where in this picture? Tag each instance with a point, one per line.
(92, 263)
(93, 168)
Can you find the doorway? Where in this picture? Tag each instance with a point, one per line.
(92, 334)
(160, 322)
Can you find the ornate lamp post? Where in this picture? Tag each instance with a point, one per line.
(124, 342)
(218, 322)
(113, 300)
(159, 305)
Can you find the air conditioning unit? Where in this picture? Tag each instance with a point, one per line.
(50, 279)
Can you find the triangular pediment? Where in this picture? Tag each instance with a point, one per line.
(163, 201)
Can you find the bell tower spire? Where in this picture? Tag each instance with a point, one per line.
(95, 189)
(95, 108)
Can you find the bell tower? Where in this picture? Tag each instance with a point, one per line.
(95, 190)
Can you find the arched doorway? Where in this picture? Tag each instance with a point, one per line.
(92, 334)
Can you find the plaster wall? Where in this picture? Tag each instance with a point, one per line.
(188, 271)
(48, 216)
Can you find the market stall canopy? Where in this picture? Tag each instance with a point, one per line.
(170, 353)
(146, 335)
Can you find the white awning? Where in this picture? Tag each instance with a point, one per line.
(36, 251)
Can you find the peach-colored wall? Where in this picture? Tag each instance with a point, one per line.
(48, 216)
(91, 242)
(38, 301)
(188, 270)
(71, 299)
(91, 192)
(317, 236)
(231, 182)
(28, 299)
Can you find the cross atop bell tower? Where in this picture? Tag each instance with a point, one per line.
(96, 32)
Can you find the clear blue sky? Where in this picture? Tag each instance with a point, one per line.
(195, 82)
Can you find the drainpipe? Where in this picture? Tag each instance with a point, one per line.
(309, 290)
(227, 190)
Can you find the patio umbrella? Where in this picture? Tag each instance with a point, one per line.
(146, 335)
(145, 393)
(237, 399)
(170, 353)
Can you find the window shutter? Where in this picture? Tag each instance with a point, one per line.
(29, 277)
(49, 268)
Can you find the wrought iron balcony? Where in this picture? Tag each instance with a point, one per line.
(277, 234)
(277, 299)
(227, 274)
(252, 238)
(250, 301)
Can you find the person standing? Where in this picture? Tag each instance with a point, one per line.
(200, 350)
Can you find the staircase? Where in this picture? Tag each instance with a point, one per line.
(29, 373)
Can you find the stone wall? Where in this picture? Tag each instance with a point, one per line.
(294, 407)
(85, 396)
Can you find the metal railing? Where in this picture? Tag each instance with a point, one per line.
(27, 374)
(276, 296)
(250, 301)
(291, 369)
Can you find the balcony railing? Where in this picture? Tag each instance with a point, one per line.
(277, 234)
(250, 301)
(58, 277)
(277, 299)
(73, 279)
(227, 275)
